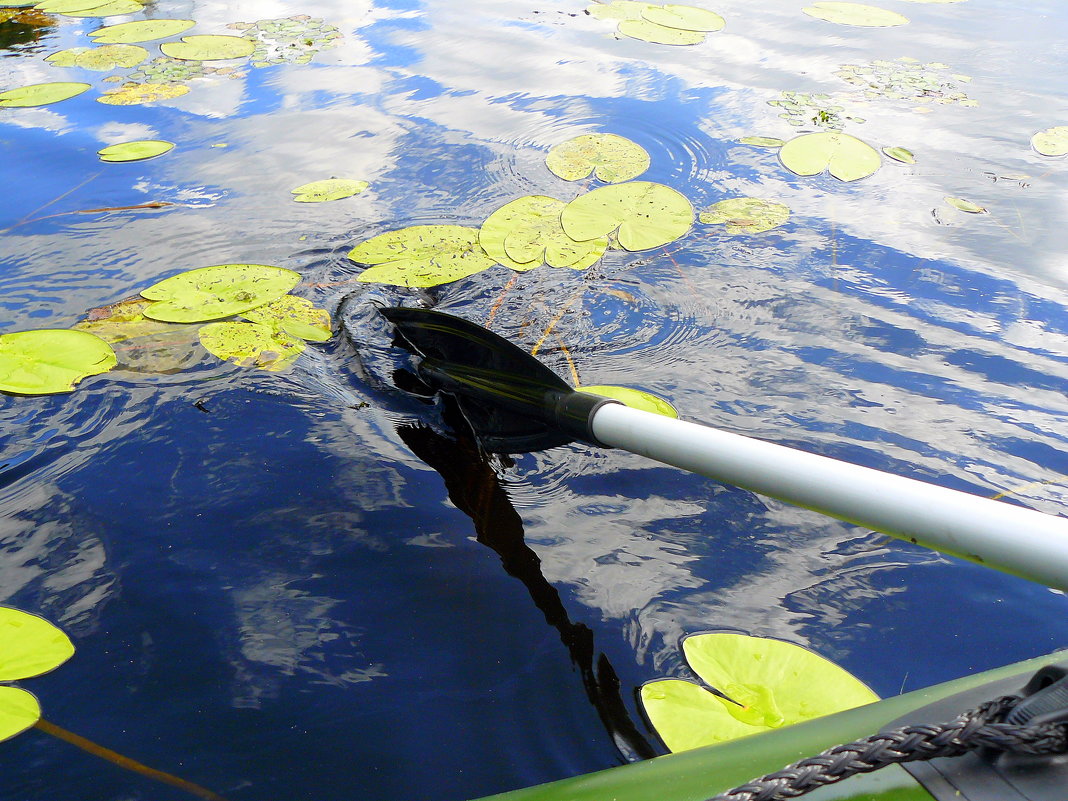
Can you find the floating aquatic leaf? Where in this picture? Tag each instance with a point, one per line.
(422, 256)
(906, 79)
(19, 711)
(65, 6)
(222, 290)
(40, 94)
(134, 94)
(964, 205)
(762, 141)
(135, 151)
(658, 34)
(846, 157)
(251, 345)
(156, 347)
(296, 316)
(771, 683)
(1052, 141)
(208, 48)
(618, 9)
(609, 157)
(855, 14)
(141, 31)
(51, 360)
(687, 18)
(807, 110)
(635, 398)
(328, 189)
(746, 215)
(164, 69)
(900, 154)
(935, 1)
(116, 8)
(106, 57)
(288, 40)
(526, 232)
(30, 645)
(647, 215)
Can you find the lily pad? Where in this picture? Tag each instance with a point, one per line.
(422, 256)
(40, 94)
(964, 205)
(296, 316)
(845, 157)
(526, 232)
(51, 360)
(771, 684)
(900, 154)
(153, 346)
(635, 398)
(762, 141)
(647, 215)
(101, 59)
(19, 711)
(136, 94)
(30, 645)
(208, 48)
(144, 30)
(648, 31)
(618, 9)
(135, 151)
(222, 290)
(855, 14)
(687, 18)
(746, 215)
(251, 345)
(328, 189)
(1052, 141)
(116, 8)
(609, 157)
(65, 6)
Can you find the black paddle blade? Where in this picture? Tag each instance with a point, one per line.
(513, 402)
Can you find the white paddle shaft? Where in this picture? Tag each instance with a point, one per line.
(1011, 538)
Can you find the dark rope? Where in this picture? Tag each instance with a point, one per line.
(978, 728)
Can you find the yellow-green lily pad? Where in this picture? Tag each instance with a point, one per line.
(609, 157)
(618, 9)
(771, 684)
(50, 360)
(845, 157)
(900, 154)
(151, 346)
(687, 18)
(328, 189)
(964, 205)
(251, 345)
(855, 14)
(635, 398)
(647, 215)
(209, 48)
(526, 232)
(135, 151)
(222, 290)
(746, 215)
(65, 6)
(101, 59)
(762, 141)
(41, 94)
(296, 316)
(30, 645)
(136, 94)
(1052, 141)
(422, 256)
(648, 31)
(19, 711)
(116, 8)
(144, 30)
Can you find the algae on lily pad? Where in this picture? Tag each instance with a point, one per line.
(855, 14)
(1052, 141)
(609, 157)
(251, 345)
(687, 18)
(746, 215)
(135, 151)
(100, 59)
(296, 316)
(845, 157)
(136, 94)
(328, 189)
(144, 30)
(41, 94)
(208, 48)
(635, 398)
(647, 215)
(222, 290)
(422, 256)
(648, 31)
(527, 232)
(770, 684)
(50, 360)
(29, 646)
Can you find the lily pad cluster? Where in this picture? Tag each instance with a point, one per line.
(288, 40)
(760, 684)
(906, 79)
(819, 110)
(669, 24)
(29, 646)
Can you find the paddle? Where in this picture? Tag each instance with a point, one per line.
(515, 404)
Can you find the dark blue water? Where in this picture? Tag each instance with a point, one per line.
(301, 586)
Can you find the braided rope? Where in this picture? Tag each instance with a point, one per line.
(978, 728)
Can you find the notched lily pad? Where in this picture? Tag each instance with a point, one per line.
(644, 215)
(855, 14)
(609, 157)
(51, 360)
(1052, 141)
(296, 316)
(635, 398)
(135, 151)
(222, 290)
(41, 94)
(140, 31)
(208, 48)
(422, 256)
(845, 157)
(328, 189)
(527, 232)
(251, 345)
(100, 59)
(746, 215)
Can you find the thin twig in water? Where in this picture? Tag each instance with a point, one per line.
(155, 204)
